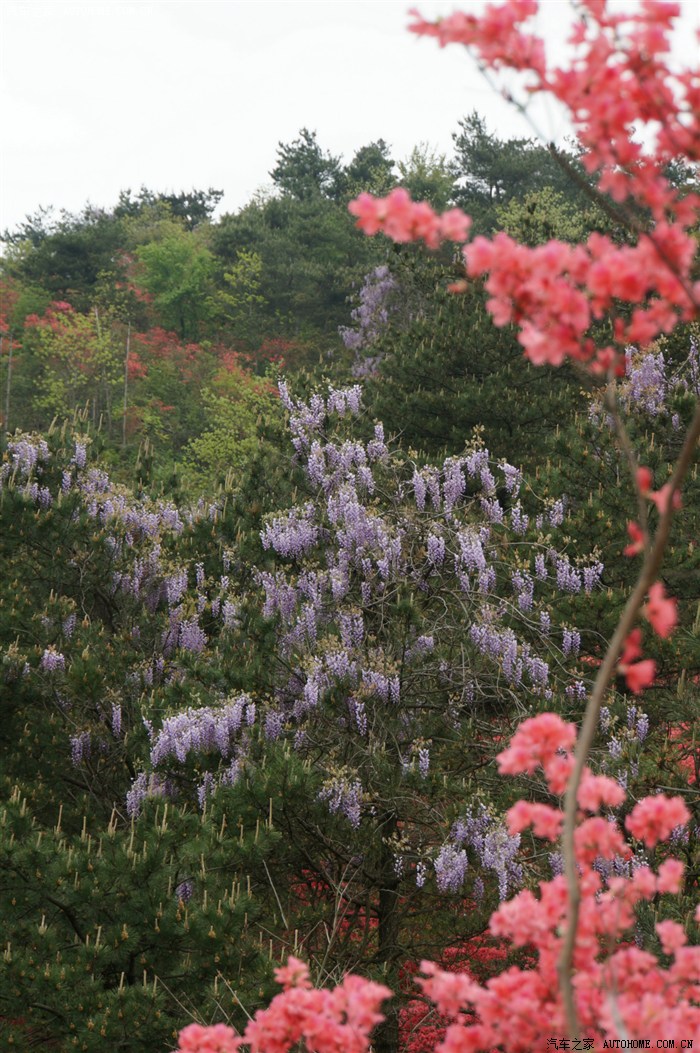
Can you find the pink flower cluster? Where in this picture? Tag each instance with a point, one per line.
(402, 219)
(620, 989)
(326, 1021)
(661, 611)
(495, 33)
(655, 818)
(215, 1039)
(619, 82)
(637, 674)
(555, 292)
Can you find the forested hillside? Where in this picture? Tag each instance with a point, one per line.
(167, 322)
(293, 539)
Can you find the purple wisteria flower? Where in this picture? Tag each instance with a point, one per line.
(175, 585)
(205, 789)
(184, 890)
(424, 761)
(371, 318)
(513, 477)
(292, 535)
(494, 847)
(646, 386)
(642, 728)
(79, 454)
(518, 519)
(80, 747)
(26, 454)
(436, 549)
(571, 642)
(359, 713)
(556, 513)
(199, 731)
(343, 796)
(52, 661)
(556, 863)
(191, 636)
(524, 588)
(450, 868)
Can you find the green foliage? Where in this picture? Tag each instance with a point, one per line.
(65, 257)
(177, 270)
(77, 360)
(544, 214)
(240, 299)
(303, 171)
(311, 256)
(444, 371)
(118, 933)
(490, 171)
(371, 170)
(234, 406)
(428, 177)
(191, 208)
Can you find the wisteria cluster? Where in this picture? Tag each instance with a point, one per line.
(222, 730)
(372, 313)
(495, 848)
(384, 573)
(654, 385)
(582, 972)
(370, 318)
(378, 538)
(375, 538)
(136, 531)
(625, 741)
(198, 731)
(345, 797)
(24, 468)
(157, 603)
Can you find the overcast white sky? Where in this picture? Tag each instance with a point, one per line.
(102, 95)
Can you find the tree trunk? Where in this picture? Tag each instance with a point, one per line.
(126, 382)
(9, 382)
(386, 1036)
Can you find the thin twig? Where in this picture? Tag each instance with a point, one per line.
(628, 450)
(606, 672)
(272, 886)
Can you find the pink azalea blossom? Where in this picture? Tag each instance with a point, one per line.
(672, 936)
(662, 498)
(639, 675)
(546, 822)
(217, 1038)
(535, 742)
(661, 611)
(653, 819)
(637, 538)
(670, 876)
